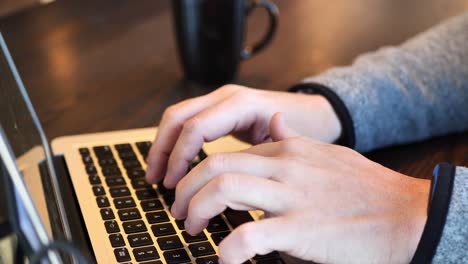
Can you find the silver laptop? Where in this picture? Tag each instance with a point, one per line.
(90, 189)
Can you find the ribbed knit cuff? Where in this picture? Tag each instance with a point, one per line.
(439, 201)
(347, 137)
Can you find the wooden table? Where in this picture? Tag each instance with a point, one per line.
(107, 65)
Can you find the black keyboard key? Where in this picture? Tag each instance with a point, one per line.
(201, 249)
(94, 179)
(136, 173)
(121, 254)
(163, 190)
(145, 253)
(163, 229)
(197, 238)
(117, 240)
(168, 243)
(139, 240)
(208, 260)
(237, 218)
(99, 190)
(128, 156)
(90, 169)
(130, 164)
(87, 160)
(151, 205)
(107, 214)
(144, 144)
(140, 183)
(218, 237)
(134, 227)
(107, 162)
(123, 147)
(129, 214)
(103, 151)
(217, 224)
(146, 194)
(112, 226)
(84, 151)
(180, 224)
(169, 199)
(144, 148)
(157, 217)
(115, 181)
(201, 155)
(111, 171)
(102, 201)
(176, 256)
(126, 202)
(119, 191)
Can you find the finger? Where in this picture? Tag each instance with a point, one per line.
(260, 237)
(218, 164)
(169, 130)
(279, 129)
(269, 149)
(210, 124)
(238, 192)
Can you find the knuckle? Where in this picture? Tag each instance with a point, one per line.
(244, 96)
(192, 125)
(170, 113)
(245, 234)
(224, 183)
(213, 162)
(180, 188)
(293, 145)
(194, 208)
(288, 145)
(230, 88)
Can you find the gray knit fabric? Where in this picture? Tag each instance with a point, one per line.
(409, 93)
(453, 247)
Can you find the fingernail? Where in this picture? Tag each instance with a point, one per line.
(187, 224)
(149, 169)
(174, 210)
(166, 182)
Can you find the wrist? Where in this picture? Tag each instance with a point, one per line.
(329, 118)
(419, 219)
(346, 136)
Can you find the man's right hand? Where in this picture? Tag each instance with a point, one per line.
(232, 109)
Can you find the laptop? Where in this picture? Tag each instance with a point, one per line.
(90, 190)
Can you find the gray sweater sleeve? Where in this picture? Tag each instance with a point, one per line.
(453, 245)
(408, 93)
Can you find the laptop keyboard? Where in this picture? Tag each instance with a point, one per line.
(136, 215)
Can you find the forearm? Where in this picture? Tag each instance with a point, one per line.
(408, 93)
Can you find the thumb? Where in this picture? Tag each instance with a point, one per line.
(279, 129)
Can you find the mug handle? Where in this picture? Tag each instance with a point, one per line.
(273, 14)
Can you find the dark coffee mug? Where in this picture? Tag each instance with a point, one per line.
(210, 36)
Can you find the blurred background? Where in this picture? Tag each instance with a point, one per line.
(86, 62)
(8, 7)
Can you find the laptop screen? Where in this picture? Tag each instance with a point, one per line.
(25, 142)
